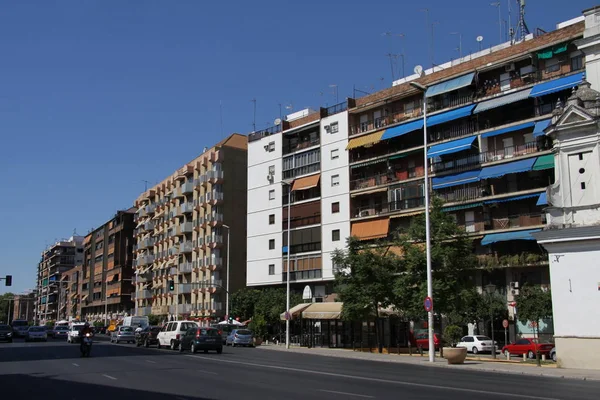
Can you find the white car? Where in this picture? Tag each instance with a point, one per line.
(172, 332)
(477, 343)
(73, 334)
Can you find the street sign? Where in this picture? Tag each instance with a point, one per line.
(428, 304)
(512, 304)
(505, 323)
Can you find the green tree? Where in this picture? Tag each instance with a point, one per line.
(153, 319)
(5, 304)
(365, 282)
(272, 302)
(534, 304)
(243, 302)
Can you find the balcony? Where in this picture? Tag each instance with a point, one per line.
(149, 226)
(386, 208)
(216, 306)
(187, 208)
(150, 209)
(214, 239)
(186, 267)
(146, 243)
(214, 176)
(143, 294)
(302, 221)
(214, 197)
(302, 275)
(184, 308)
(504, 222)
(187, 188)
(145, 260)
(214, 219)
(173, 251)
(213, 262)
(524, 259)
(185, 288)
(186, 247)
(385, 178)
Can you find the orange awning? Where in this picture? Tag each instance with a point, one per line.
(307, 182)
(372, 229)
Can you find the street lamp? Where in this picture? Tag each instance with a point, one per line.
(289, 247)
(227, 284)
(423, 89)
(491, 289)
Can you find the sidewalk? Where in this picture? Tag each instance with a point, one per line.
(472, 363)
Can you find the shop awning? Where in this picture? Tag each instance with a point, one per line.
(451, 147)
(540, 126)
(295, 311)
(544, 162)
(501, 101)
(508, 129)
(448, 86)
(508, 236)
(496, 171)
(372, 229)
(542, 200)
(365, 140)
(323, 311)
(456, 179)
(450, 115)
(556, 85)
(462, 207)
(514, 198)
(402, 129)
(307, 182)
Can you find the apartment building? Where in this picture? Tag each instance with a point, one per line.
(70, 295)
(302, 163)
(183, 224)
(56, 259)
(24, 306)
(107, 270)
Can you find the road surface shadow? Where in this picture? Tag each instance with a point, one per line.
(21, 386)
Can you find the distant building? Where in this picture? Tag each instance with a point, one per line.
(70, 299)
(24, 306)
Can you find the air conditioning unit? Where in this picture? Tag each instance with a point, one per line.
(515, 292)
(514, 285)
(327, 128)
(266, 147)
(510, 67)
(270, 178)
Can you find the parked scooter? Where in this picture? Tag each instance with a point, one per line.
(86, 345)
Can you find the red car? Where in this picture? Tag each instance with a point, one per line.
(527, 346)
(421, 338)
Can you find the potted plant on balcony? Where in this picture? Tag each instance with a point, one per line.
(454, 355)
(258, 326)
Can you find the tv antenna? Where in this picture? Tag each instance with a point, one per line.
(394, 56)
(497, 4)
(254, 119)
(145, 184)
(335, 91)
(479, 40)
(522, 29)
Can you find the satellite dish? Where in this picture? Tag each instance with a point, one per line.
(479, 38)
(418, 70)
(307, 293)
(277, 121)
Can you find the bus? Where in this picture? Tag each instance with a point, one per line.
(20, 327)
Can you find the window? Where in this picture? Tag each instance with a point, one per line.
(272, 194)
(335, 207)
(582, 185)
(552, 65)
(335, 154)
(271, 269)
(272, 219)
(271, 244)
(576, 62)
(335, 235)
(335, 180)
(271, 146)
(334, 128)
(271, 170)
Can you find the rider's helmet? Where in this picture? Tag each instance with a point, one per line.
(86, 325)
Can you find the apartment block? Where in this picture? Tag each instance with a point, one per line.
(107, 272)
(56, 259)
(24, 306)
(70, 295)
(302, 163)
(182, 227)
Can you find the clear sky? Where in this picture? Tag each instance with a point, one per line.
(97, 96)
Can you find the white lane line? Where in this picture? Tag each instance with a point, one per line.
(207, 372)
(346, 394)
(75, 364)
(109, 377)
(363, 378)
(151, 362)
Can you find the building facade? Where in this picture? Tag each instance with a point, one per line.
(70, 299)
(183, 224)
(302, 160)
(24, 306)
(58, 258)
(107, 271)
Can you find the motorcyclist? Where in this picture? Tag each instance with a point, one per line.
(84, 331)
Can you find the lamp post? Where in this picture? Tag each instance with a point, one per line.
(289, 247)
(423, 89)
(227, 284)
(491, 289)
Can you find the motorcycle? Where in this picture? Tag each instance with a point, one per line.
(86, 345)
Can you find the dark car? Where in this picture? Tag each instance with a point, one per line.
(60, 332)
(6, 333)
(205, 339)
(147, 336)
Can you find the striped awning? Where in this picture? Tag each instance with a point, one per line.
(307, 182)
(371, 229)
(365, 140)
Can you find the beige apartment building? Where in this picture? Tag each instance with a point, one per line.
(182, 227)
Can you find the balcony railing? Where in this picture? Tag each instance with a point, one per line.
(187, 208)
(450, 100)
(385, 208)
(305, 247)
(218, 239)
(149, 226)
(210, 261)
(512, 260)
(305, 144)
(144, 260)
(303, 275)
(302, 221)
(452, 131)
(150, 208)
(217, 306)
(186, 227)
(214, 217)
(143, 294)
(186, 247)
(214, 175)
(185, 288)
(186, 267)
(187, 188)
(501, 223)
(381, 179)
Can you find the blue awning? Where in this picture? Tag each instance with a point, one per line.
(514, 167)
(514, 198)
(540, 126)
(556, 85)
(508, 129)
(402, 129)
(454, 180)
(502, 100)
(450, 85)
(542, 200)
(508, 236)
(450, 115)
(451, 147)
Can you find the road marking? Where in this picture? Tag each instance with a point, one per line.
(346, 394)
(75, 364)
(151, 362)
(208, 372)
(109, 377)
(363, 378)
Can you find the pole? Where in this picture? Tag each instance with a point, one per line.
(8, 315)
(492, 328)
(289, 248)
(227, 284)
(27, 309)
(105, 303)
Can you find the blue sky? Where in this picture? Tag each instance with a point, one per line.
(97, 96)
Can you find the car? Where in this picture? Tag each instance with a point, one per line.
(527, 346)
(240, 337)
(148, 336)
(122, 334)
(6, 333)
(61, 332)
(477, 343)
(553, 354)
(73, 333)
(421, 339)
(36, 333)
(171, 333)
(204, 338)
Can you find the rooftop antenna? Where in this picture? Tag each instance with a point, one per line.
(145, 184)
(254, 120)
(335, 92)
(221, 115)
(426, 11)
(394, 56)
(522, 29)
(459, 43)
(479, 40)
(497, 4)
(433, 24)
(511, 31)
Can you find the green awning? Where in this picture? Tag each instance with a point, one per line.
(410, 153)
(461, 207)
(551, 51)
(544, 162)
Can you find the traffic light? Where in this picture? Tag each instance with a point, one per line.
(171, 285)
(230, 320)
(8, 280)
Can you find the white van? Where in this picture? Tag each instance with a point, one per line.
(135, 321)
(172, 332)
(73, 334)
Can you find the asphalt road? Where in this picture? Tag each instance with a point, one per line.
(54, 370)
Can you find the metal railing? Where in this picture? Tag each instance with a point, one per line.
(187, 207)
(305, 144)
(186, 267)
(384, 208)
(302, 221)
(381, 179)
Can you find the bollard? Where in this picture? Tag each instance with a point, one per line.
(543, 357)
(507, 356)
(421, 350)
(524, 356)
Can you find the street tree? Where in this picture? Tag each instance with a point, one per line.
(267, 303)
(243, 303)
(5, 303)
(534, 305)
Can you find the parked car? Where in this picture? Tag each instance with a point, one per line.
(206, 339)
(477, 343)
(73, 333)
(60, 332)
(553, 354)
(36, 333)
(122, 334)
(148, 336)
(240, 337)
(6, 333)
(527, 346)
(171, 333)
(421, 339)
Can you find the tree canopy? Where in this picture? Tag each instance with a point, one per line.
(269, 303)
